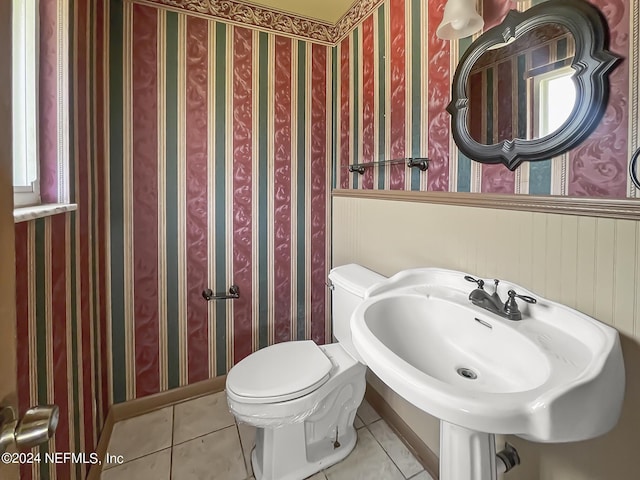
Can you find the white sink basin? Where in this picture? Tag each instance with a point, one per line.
(557, 375)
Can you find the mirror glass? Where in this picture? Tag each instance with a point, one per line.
(523, 88)
(534, 86)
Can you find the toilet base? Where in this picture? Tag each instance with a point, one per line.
(296, 438)
(294, 465)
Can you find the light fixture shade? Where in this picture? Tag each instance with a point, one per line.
(460, 20)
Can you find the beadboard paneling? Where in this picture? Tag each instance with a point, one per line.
(590, 264)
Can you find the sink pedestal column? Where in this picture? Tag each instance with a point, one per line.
(466, 454)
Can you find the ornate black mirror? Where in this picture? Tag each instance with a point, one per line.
(534, 86)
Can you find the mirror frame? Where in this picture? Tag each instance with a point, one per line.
(592, 64)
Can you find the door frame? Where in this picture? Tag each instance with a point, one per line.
(8, 372)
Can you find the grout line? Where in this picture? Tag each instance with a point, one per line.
(387, 453)
(384, 449)
(173, 433)
(244, 462)
(171, 465)
(173, 425)
(203, 435)
(420, 473)
(104, 466)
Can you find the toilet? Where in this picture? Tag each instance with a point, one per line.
(302, 398)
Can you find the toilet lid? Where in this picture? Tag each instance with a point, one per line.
(280, 372)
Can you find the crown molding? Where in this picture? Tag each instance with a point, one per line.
(271, 20)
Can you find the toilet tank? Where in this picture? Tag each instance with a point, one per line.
(350, 282)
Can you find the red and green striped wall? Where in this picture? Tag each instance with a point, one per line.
(55, 340)
(385, 69)
(219, 174)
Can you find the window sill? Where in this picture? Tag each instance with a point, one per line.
(23, 214)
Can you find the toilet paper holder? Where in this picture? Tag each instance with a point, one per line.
(234, 292)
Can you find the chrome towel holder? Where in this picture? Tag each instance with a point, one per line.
(234, 292)
(411, 162)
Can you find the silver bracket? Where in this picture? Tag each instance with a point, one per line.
(234, 292)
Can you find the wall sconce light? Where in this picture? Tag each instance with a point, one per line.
(37, 426)
(460, 20)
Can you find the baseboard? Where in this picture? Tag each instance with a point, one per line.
(414, 443)
(140, 406)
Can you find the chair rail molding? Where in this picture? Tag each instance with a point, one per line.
(625, 209)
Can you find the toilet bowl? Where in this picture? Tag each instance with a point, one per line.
(302, 398)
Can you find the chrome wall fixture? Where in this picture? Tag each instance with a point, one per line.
(36, 427)
(412, 162)
(234, 292)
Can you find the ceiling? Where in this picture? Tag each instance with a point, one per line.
(328, 11)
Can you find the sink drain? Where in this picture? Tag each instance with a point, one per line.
(467, 373)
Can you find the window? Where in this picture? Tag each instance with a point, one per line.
(25, 103)
(556, 94)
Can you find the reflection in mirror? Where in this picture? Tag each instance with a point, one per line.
(522, 88)
(554, 99)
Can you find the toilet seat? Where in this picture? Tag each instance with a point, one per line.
(278, 373)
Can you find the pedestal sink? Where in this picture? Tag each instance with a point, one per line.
(557, 375)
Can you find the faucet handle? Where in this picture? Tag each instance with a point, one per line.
(511, 307)
(479, 281)
(512, 294)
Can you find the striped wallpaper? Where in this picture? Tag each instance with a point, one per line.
(219, 173)
(60, 262)
(394, 82)
(213, 165)
(393, 86)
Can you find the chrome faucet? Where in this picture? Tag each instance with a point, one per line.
(493, 303)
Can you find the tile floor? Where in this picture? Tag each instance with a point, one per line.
(200, 440)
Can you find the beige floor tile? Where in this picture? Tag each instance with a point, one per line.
(248, 441)
(394, 447)
(201, 416)
(368, 461)
(156, 466)
(423, 475)
(367, 414)
(217, 455)
(139, 436)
